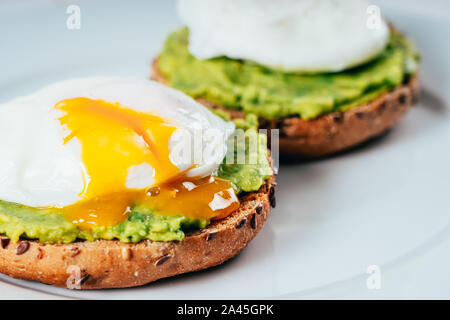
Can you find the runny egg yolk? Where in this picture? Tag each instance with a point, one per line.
(114, 139)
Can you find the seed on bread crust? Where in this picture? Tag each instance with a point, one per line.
(22, 247)
(74, 251)
(4, 242)
(259, 208)
(272, 199)
(77, 278)
(403, 99)
(84, 277)
(241, 223)
(382, 107)
(338, 117)
(253, 222)
(211, 235)
(162, 260)
(359, 115)
(126, 253)
(40, 254)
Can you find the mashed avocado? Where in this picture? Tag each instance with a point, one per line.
(273, 94)
(50, 226)
(247, 177)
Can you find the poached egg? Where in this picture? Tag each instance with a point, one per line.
(288, 35)
(94, 147)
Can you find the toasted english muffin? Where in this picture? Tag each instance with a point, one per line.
(114, 264)
(333, 132)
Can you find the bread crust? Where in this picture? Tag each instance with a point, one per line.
(113, 264)
(334, 132)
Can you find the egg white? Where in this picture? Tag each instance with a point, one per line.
(289, 35)
(37, 169)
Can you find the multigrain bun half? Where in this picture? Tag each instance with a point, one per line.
(334, 132)
(113, 264)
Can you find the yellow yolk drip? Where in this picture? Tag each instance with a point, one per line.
(114, 139)
(207, 198)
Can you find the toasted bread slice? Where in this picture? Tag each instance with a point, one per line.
(112, 264)
(334, 132)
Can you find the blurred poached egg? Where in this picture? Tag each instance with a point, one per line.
(289, 35)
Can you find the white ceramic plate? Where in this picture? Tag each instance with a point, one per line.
(385, 204)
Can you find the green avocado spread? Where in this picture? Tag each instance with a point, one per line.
(143, 223)
(272, 94)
